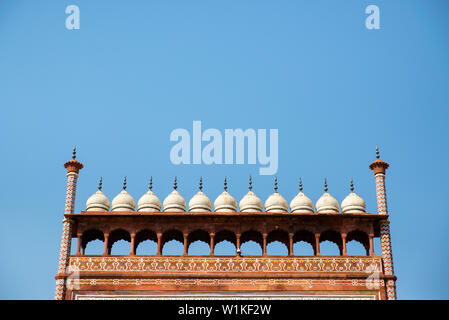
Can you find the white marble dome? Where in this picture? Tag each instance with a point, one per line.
(123, 201)
(149, 202)
(327, 203)
(250, 202)
(225, 202)
(301, 203)
(174, 202)
(200, 203)
(276, 202)
(353, 203)
(98, 201)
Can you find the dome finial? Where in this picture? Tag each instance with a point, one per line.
(124, 183)
(377, 152)
(300, 184)
(151, 183)
(100, 184)
(225, 186)
(352, 186)
(250, 187)
(275, 184)
(325, 185)
(175, 184)
(201, 184)
(74, 153)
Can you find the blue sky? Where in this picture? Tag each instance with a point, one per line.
(134, 72)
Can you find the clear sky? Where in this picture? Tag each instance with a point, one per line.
(135, 71)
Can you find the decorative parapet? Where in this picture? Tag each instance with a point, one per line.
(217, 265)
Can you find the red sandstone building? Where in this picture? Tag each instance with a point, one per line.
(160, 276)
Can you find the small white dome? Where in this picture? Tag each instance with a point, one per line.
(149, 202)
(200, 203)
(327, 203)
(123, 201)
(225, 202)
(353, 203)
(301, 203)
(98, 201)
(276, 202)
(250, 202)
(174, 201)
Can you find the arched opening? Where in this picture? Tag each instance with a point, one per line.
(304, 243)
(92, 242)
(119, 242)
(225, 243)
(145, 242)
(172, 243)
(251, 243)
(198, 243)
(357, 243)
(331, 243)
(278, 243)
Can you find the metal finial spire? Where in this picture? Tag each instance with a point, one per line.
(325, 185)
(275, 184)
(124, 183)
(352, 186)
(225, 185)
(377, 152)
(74, 153)
(151, 183)
(201, 183)
(100, 184)
(300, 184)
(175, 184)
(250, 187)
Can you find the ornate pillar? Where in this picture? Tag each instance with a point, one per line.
(73, 167)
(133, 240)
(343, 241)
(371, 245)
(238, 244)
(290, 249)
(186, 244)
(317, 244)
(264, 246)
(379, 167)
(78, 245)
(212, 235)
(159, 244)
(106, 244)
